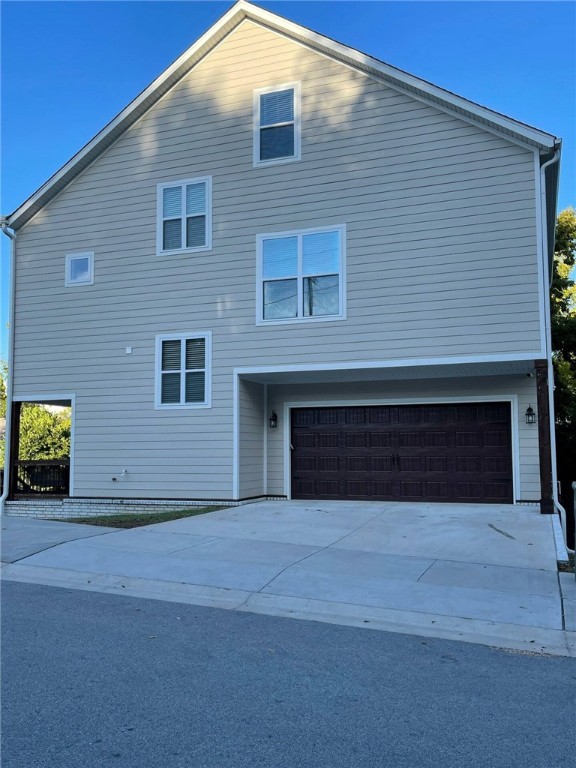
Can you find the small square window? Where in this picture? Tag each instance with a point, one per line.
(79, 269)
(277, 124)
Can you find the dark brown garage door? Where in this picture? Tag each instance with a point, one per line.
(454, 452)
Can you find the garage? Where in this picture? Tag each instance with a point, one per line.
(459, 452)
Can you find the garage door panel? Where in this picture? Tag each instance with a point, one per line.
(379, 414)
(357, 463)
(496, 439)
(328, 416)
(469, 464)
(410, 439)
(497, 464)
(304, 440)
(435, 439)
(411, 463)
(328, 439)
(467, 439)
(355, 415)
(382, 489)
(328, 489)
(437, 490)
(469, 491)
(328, 463)
(496, 491)
(447, 452)
(381, 464)
(356, 439)
(436, 463)
(380, 439)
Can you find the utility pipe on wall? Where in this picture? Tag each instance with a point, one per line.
(9, 386)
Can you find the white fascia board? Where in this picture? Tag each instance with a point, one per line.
(376, 364)
(239, 12)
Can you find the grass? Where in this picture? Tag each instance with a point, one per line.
(136, 519)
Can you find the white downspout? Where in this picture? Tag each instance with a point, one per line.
(547, 285)
(9, 384)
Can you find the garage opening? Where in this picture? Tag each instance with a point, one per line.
(459, 452)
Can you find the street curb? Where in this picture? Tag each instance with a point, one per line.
(510, 636)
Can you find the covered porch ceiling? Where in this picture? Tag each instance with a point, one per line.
(372, 372)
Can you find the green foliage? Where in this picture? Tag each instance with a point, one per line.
(563, 308)
(3, 384)
(43, 434)
(563, 292)
(2, 399)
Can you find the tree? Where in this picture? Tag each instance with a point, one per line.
(3, 383)
(43, 434)
(563, 310)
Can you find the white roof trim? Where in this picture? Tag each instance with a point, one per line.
(533, 137)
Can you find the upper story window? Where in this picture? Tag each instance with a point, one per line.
(185, 216)
(183, 364)
(79, 269)
(301, 276)
(277, 124)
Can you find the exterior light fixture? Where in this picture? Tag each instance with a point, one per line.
(273, 420)
(530, 415)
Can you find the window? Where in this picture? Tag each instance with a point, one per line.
(301, 276)
(185, 216)
(183, 371)
(277, 124)
(79, 269)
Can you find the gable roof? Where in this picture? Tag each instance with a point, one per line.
(445, 100)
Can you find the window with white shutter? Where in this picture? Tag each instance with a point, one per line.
(183, 371)
(185, 216)
(301, 276)
(277, 124)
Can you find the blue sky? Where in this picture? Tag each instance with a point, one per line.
(67, 68)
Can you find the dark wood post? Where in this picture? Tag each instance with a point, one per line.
(14, 449)
(544, 437)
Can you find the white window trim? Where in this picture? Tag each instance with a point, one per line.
(297, 125)
(179, 336)
(341, 228)
(160, 216)
(68, 282)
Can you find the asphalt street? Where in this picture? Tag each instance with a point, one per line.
(93, 680)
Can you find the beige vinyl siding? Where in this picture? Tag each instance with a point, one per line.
(441, 256)
(251, 439)
(474, 387)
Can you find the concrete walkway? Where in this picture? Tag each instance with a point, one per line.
(479, 573)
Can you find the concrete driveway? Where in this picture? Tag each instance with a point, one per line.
(481, 573)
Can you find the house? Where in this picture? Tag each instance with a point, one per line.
(288, 269)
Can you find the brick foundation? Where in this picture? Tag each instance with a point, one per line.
(70, 508)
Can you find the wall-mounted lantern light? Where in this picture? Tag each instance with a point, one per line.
(530, 415)
(274, 420)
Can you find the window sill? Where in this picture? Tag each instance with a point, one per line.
(180, 407)
(300, 320)
(278, 161)
(184, 251)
